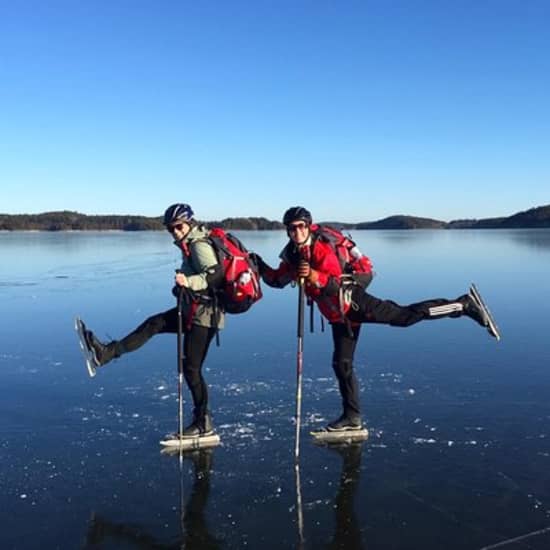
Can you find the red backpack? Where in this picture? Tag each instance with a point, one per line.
(355, 265)
(240, 287)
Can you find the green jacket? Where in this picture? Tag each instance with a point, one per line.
(196, 266)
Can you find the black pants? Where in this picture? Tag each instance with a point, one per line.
(345, 340)
(196, 342)
(369, 309)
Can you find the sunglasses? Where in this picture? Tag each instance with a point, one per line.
(293, 227)
(172, 228)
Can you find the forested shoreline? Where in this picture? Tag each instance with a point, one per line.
(74, 221)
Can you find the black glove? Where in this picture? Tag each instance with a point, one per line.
(258, 260)
(179, 290)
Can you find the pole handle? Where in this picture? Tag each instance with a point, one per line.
(301, 293)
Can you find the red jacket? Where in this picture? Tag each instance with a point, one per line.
(323, 259)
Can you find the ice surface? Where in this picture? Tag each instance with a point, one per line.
(458, 446)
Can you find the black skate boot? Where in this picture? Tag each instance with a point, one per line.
(200, 427)
(345, 424)
(475, 308)
(95, 352)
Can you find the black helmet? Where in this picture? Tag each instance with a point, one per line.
(178, 213)
(297, 213)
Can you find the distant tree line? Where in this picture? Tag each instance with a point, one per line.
(535, 217)
(246, 223)
(74, 221)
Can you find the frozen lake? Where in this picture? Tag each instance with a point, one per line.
(459, 453)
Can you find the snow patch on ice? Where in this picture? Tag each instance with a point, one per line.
(313, 418)
(315, 503)
(397, 378)
(244, 430)
(423, 440)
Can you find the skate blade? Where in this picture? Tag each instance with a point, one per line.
(88, 358)
(492, 327)
(340, 436)
(173, 443)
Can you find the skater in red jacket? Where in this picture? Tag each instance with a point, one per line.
(335, 276)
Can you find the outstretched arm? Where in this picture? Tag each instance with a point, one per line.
(276, 278)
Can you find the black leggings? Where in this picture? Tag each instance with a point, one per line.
(345, 341)
(196, 342)
(374, 310)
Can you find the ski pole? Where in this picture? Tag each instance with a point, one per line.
(299, 508)
(180, 363)
(299, 362)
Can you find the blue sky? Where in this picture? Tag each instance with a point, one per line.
(355, 109)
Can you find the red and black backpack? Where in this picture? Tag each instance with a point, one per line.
(240, 286)
(356, 267)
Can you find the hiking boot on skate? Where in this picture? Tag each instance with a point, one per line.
(200, 427)
(345, 424)
(95, 352)
(475, 308)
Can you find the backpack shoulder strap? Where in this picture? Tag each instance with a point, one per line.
(329, 234)
(227, 243)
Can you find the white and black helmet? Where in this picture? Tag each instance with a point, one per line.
(178, 213)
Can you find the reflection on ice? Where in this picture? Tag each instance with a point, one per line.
(193, 532)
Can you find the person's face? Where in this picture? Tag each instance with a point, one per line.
(298, 231)
(178, 230)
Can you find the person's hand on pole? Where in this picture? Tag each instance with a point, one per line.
(305, 273)
(304, 269)
(180, 279)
